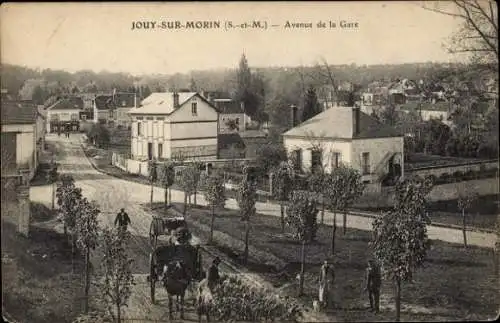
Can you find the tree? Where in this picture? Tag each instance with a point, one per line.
(39, 95)
(247, 197)
(231, 124)
(215, 196)
(270, 156)
(68, 199)
(389, 115)
(478, 35)
(146, 91)
(302, 215)
(192, 85)
(188, 181)
(75, 90)
(87, 227)
(311, 105)
(115, 287)
(282, 185)
(434, 136)
(465, 202)
(333, 184)
(99, 135)
(400, 241)
(153, 178)
(166, 174)
(52, 177)
(352, 184)
(316, 183)
(250, 88)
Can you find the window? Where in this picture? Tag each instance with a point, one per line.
(139, 129)
(84, 117)
(194, 108)
(160, 150)
(316, 160)
(74, 116)
(336, 160)
(365, 163)
(297, 159)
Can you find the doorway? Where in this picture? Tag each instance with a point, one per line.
(150, 150)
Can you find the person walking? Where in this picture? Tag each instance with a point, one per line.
(122, 219)
(373, 281)
(213, 276)
(326, 277)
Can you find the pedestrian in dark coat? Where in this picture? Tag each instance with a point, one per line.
(373, 281)
(122, 219)
(213, 276)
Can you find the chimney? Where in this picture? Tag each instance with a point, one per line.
(294, 115)
(176, 100)
(355, 120)
(242, 106)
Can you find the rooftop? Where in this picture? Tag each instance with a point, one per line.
(339, 123)
(68, 103)
(162, 102)
(18, 113)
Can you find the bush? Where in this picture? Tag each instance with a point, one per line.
(458, 175)
(432, 178)
(236, 300)
(470, 174)
(445, 177)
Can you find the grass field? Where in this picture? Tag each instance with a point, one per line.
(483, 213)
(454, 284)
(38, 284)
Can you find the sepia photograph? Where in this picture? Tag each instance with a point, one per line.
(280, 161)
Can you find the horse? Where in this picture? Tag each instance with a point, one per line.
(175, 280)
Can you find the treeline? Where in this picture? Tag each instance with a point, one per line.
(14, 78)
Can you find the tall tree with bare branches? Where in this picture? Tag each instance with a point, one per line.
(478, 34)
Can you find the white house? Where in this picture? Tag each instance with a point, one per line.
(64, 115)
(174, 125)
(346, 135)
(439, 111)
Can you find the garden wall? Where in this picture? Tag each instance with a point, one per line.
(450, 169)
(443, 192)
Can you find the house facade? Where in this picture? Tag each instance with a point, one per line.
(232, 114)
(64, 115)
(174, 125)
(114, 108)
(19, 139)
(438, 111)
(346, 135)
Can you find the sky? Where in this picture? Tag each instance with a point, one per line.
(99, 36)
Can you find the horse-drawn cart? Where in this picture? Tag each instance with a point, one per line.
(164, 258)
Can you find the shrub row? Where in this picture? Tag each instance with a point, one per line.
(234, 299)
(459, 176)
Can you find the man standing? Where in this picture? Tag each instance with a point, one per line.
(372, 284)
(122, 219)
(326, 277)
(213, 274)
